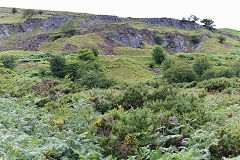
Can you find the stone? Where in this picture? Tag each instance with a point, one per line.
(53, 22)
(70, 47)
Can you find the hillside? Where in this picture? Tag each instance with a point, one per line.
(84, 86)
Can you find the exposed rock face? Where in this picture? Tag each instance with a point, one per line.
(70, 47)
(32, 43)
(186, 25)
(29, 25)
(3, 48)
(5, 30)
(54, 22)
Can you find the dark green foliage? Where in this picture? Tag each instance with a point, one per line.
(93, 79)
(28, 13)
(221, 39)
(208, 74)
(40, 12)
(195, 39)
(134, 96)
(68, 28)
(208, 23)
(224, 72)
(158, 54)
(14, 10)
(86, 55)
(180, 74)
(236, 68)
(200, 65)
(158, 39)
(95, 51)
(193, 18)
(168, 63)
(55, 37)
(218, 84)
(57, 66)
(8, 61)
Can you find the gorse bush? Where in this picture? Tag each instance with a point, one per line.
(200, 65)
(57, 66)
(8, 61)
(178, 74)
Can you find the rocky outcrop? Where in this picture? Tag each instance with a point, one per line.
(54, 22)
(32, 43)
(29, 25)
(5, 30)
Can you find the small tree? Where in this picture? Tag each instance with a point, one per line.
(68, 27)
(58, 65)
(200, 65)
(40, 12)
(208, 23)
(158, 54)
(14, 10)
(86, 55)
(28, 13)
(8, 61)
(193, 18)
(221, 39)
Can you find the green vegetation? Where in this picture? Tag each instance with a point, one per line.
(14, 10)
(69, 100)
(28, 13)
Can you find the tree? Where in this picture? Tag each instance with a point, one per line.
(208, 23)
(193, 18)
(200, 65)
(68, 27)
(86, 55)
(8, 61)
(158, 54)
(221, 39)
(14, 10)
(28, 13)
(58, 65)
(40, 12)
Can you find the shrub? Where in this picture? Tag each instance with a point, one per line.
(158, 39)
(14, 10)
(93, 79)
(179, 74)
(68, 28)
(95, 51)
(236, 68)
(200, 65)
(57, 66)
(40, 12)
(195, 39)
(217, 84)
(158, 54)
(8, 61)
(168, 63)
(224, 72)
(55, 37)
(28, 13)
(208, 74)
(86, 55)
(193, 18)
(221, 39)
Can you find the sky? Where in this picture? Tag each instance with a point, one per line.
(225, 13)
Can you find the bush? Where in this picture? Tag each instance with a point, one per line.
(14, 10)
(8, 61)
(208, 23)
(236, 68)
(86, 55)
(28, 13)
(179, 74)
(40, 12)
(95, 51)
(93, 79)
(218, 84)
(208, 74)
(195, 39)
(221, 39)
(200, 65)
(68, 28)
(158, 54)
(168, 63)
(58, 65)
(158, 39)
(224, 72)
